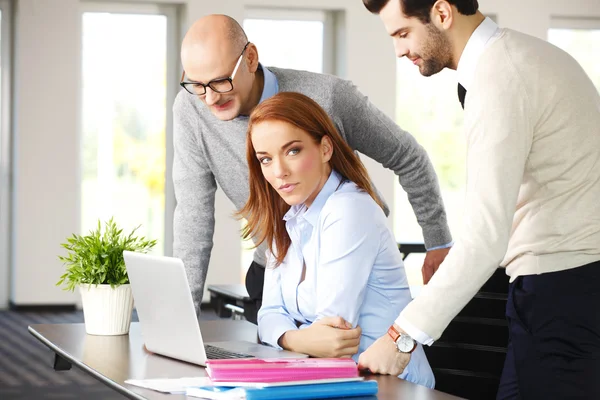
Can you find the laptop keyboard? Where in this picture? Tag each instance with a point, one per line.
(218, 353)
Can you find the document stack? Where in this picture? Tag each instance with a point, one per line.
(306, 378)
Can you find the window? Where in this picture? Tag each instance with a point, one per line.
(581, 39)
(300, 43)
(429, 109)
(127, 95)
(5, 152)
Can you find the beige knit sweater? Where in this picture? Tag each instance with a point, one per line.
(532, 123)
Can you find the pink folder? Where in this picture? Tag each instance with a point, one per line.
(280, 370)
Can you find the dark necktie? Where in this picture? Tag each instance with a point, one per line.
(461, 95)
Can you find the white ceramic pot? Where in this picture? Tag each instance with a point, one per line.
(106, 311)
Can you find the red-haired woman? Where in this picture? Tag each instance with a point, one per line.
(330, 251)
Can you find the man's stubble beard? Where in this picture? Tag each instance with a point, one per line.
(437, 52)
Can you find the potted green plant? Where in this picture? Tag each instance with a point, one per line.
(94, 263)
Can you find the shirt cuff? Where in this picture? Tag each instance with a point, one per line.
(413, 331)
(272, 327)
(442, 247)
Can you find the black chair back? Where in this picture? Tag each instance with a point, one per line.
(468, 359)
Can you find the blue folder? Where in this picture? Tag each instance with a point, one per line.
(301, 392)
(318, 391)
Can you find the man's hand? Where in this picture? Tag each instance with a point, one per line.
(383, 357)
(432, 262)
(329, 337)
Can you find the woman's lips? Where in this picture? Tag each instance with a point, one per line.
(287, 188)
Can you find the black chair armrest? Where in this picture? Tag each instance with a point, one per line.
(407, 248)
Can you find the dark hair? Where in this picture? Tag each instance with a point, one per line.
(421, 9)
(265, 208)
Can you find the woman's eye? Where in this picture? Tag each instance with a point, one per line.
(264, 160)
(293, 152)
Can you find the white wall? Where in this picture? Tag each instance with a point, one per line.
(47, 104)
(46, 157)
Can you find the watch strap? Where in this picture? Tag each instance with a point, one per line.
(394, 334)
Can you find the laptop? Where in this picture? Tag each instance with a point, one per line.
(168, 319)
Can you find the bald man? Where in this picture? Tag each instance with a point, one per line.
(223, 82)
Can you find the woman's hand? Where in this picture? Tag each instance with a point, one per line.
(329, 337)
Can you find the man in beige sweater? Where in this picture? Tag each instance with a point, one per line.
(532, 124)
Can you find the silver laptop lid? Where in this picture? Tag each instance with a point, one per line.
(162, 296)
(165, 307)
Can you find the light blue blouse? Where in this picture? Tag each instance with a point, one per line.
(353, 270)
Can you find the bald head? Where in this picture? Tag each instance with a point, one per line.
(210, 51)
(216, 34)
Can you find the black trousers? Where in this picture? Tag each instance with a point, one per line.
(554, 326)
(255, 280)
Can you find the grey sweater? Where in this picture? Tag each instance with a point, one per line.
(209, 152)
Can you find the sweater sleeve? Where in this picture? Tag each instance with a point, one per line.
(369, 131)
(195, 186)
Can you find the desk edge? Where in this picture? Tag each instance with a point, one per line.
(108, 382)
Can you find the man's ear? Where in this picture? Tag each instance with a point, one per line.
(252, 58)
(326, 148)
(442, 14)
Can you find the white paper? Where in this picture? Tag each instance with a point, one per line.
(177, 385)
(217, 393)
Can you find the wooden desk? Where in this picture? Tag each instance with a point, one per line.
(114, 359)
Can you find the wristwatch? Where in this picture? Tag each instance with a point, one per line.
(404, 343)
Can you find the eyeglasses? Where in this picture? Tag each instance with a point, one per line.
(221, 85)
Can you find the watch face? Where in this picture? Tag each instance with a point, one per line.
(405, 343)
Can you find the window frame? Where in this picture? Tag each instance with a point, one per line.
(574, 23)
(329, 18)
(6, 151)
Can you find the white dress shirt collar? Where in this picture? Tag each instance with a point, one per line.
(311, 214)
(485, 34)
